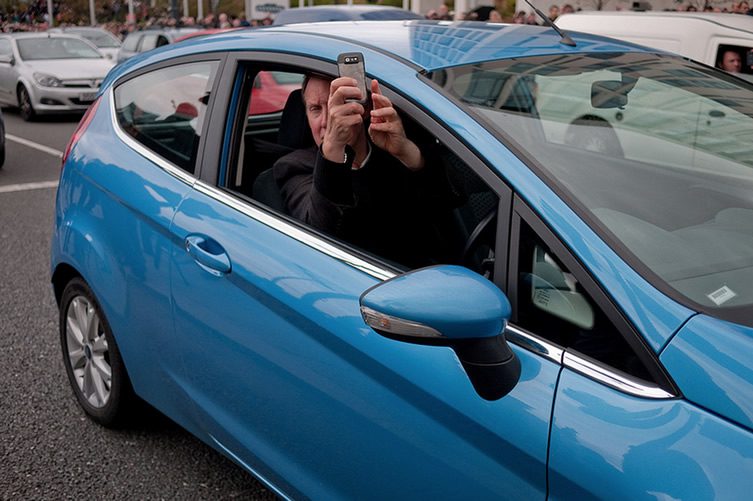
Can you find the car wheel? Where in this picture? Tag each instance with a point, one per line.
(24, 104)
(92, 359)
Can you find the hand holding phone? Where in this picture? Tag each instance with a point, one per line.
(350, 64)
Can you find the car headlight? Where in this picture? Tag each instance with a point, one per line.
(46, 80)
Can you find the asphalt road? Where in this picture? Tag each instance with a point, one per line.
(48, 448)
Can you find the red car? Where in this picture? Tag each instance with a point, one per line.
(271, 88)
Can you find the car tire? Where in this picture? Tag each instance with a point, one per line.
(2, 155)
(92, 359)
(24, 104)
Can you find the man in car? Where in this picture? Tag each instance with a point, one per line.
(364, 180)
(730, 61)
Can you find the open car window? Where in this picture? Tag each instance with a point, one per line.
(454, 211)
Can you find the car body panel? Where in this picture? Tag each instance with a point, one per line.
(105, 212)
(712, 363)
(308, 364)
(621, 446)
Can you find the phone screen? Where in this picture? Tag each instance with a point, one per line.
(350, 64)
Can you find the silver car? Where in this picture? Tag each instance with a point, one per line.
(107, 43)
(45, 73)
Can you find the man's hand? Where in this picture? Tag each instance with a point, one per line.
(344, 121)
(387, 132)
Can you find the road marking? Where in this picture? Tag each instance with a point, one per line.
(36, 146)
(28, 186)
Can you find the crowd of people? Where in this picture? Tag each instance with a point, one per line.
(34, 16)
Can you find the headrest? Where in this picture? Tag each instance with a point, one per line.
(294, 131)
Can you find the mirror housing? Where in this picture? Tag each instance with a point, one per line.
(609, 94)
(7, 59)
(454, 307)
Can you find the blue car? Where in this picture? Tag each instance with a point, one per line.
(581, 327)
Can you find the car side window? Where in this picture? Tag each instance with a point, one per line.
(553, 304)
(443, 214)
(131, 42)
(5, 48)
(164, 110)
(148, 42)
(743, 55)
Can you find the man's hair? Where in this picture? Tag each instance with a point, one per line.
(307, 78)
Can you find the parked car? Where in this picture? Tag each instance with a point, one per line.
(142, 41)
(2, 140)
(321, 13)
(584, 331)
(702, 36)
(107, 43)
(49, 73)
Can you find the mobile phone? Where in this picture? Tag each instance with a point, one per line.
(749, 58)
(350, 64)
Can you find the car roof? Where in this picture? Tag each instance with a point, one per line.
(743, 23)
(425, 45)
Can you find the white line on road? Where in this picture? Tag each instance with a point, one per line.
(28, 186)
(36, 146)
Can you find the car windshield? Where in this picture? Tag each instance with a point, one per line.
(55, 48)
(101, 40)
(655, 151)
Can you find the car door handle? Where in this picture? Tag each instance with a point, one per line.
(208, 253)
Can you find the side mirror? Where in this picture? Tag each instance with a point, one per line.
(609, 94)
(449, 306)
(7, 59)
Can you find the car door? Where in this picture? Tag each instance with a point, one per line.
(290, 382)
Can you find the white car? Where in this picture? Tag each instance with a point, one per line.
(44, 73)
(107, 43)
(701, 36)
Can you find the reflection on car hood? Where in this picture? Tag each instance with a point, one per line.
(712, 363)
(72, 68)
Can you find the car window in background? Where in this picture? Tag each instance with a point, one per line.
(32, 49)
(99, 39)
(5, 47)
(164, 110)
(389, 15)
(131, 41)
(638, 140)
(270, 91)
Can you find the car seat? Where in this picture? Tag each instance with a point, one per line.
(294, 133)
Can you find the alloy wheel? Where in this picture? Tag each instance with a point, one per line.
(87, 351)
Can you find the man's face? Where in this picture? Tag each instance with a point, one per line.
(731, 62)
(315, 98)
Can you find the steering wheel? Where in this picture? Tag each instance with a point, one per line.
(479, 237)
(593, 133)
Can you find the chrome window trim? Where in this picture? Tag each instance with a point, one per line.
(294, 232)
(142, 150)
(534, 344)
(620, 382)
